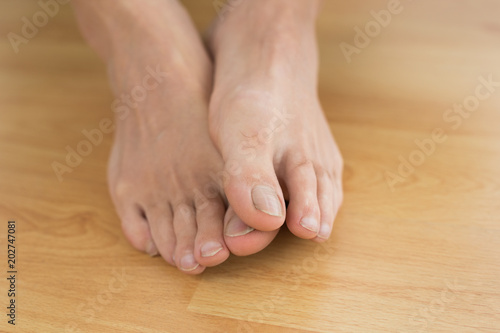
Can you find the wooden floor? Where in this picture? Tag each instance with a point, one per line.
(413, 250)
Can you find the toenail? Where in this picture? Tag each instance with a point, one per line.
(236, 227)
(151, 248)
(310, 223)
(265, 199)
(188, 263)
(324, 231)
(210, 249)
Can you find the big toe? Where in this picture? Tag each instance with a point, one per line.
(254, 193)
(243, 240)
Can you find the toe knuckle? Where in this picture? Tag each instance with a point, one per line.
(322, 173)
(120, 188)
(211, 208)
(184, 210)
(302, 165)
(208, 192)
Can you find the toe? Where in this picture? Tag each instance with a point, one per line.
(303, 214)
(210, 248)
(327, 205)
(136, 229)
(243, 240)
(185, 233)
(254, 192)
(162, 231)
(330, 199)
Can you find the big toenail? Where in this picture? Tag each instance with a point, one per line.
(151, 248)
(210, 249)
(310, 223)
(324, 231)
(265, 199)
(188, 263)
(236, 228)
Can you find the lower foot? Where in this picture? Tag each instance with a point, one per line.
(267, 122)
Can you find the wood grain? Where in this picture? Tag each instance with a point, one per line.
(423, 256)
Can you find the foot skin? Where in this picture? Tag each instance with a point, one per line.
(162, 163)
(163, 169)
(267, 122)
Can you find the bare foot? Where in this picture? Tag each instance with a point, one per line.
(163, 166)
(267, 122)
